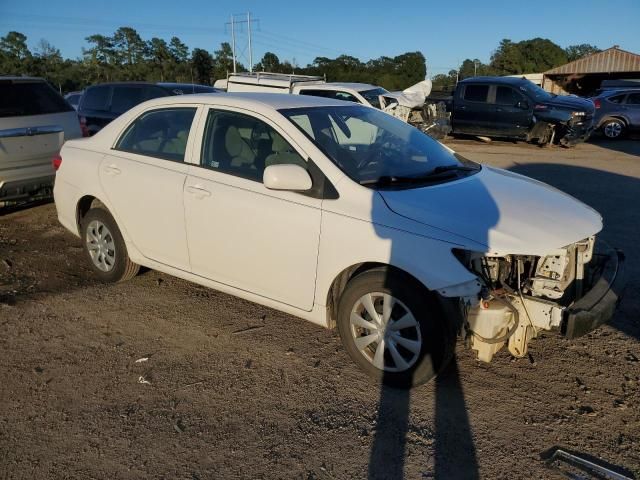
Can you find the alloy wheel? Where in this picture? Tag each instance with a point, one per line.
(613, 129)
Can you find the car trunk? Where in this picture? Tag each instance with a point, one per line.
(34, 123)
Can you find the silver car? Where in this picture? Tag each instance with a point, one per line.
(34, 123)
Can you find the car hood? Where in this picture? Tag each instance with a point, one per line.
(507, 212)
(573, 103)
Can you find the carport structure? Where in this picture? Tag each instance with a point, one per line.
(584, 76)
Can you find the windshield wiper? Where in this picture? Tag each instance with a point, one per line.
(452, 168)
(438, 173)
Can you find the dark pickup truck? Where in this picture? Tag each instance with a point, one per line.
(517, 108)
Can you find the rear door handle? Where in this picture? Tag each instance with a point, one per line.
(199, 191)
(112, 170)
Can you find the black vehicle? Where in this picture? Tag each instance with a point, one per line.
(100, 104)
(617, 112)
(517, 108)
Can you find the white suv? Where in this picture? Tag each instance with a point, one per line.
(340, 214)
(34, 123)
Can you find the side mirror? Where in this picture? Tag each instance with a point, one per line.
(287, 177)
(523, 104)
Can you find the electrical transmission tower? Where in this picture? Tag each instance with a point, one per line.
(241, 19)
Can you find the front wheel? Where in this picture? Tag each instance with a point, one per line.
(394, 329)
(105, 247)
(613, 129)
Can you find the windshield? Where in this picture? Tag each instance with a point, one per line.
(373, 96)
(535, 91)
(376, 149)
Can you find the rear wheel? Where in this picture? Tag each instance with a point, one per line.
(105, 247)
(613, 128)
(394, 329)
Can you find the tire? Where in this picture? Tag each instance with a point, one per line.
(101, 239)
(433, 332)
(613, 128)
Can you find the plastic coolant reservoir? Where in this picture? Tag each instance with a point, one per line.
(490, 322)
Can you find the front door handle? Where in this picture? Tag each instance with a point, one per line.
(112, 170)
(199, 191)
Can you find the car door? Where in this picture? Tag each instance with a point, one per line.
(472, 112)
(632, 110)
(143, 177)
(512, 112)
(240, 233)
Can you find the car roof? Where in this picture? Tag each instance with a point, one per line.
(179, 84)
(109, 84)
(497, 80)
(359, 87)
(618, 91)
(275, 101)
(13, 78)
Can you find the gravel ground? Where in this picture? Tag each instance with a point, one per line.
(160, 378)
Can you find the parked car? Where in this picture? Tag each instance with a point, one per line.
(340, 214)
(407, 105)
(517, 108)
(617, 112)
(73, 98)
(34, 123)
(100, 104)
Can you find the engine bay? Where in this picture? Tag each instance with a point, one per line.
(523, 295)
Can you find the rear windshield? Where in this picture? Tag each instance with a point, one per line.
(30, 98)
(96, 98)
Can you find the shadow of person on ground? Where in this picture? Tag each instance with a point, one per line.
(454, 454)
(454, 449)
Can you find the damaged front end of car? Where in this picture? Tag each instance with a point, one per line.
(572, 290)
(567, 128)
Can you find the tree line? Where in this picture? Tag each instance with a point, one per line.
(514, 58)
(125, 55)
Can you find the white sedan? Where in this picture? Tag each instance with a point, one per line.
(342, 215)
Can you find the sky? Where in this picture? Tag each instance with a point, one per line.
(445, 32)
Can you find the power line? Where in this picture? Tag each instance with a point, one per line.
(53, 20)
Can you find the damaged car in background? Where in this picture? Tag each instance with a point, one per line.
(517, 108)
(342, 215)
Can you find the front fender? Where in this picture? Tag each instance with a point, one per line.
(346, 241)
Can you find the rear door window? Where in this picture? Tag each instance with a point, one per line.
(161, 133)
(476, 93)
(30, 98)
(617, 98)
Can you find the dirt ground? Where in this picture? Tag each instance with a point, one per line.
(235, 390)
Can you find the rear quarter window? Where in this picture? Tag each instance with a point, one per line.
(19, 99)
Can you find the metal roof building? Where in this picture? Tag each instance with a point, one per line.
(583, 76)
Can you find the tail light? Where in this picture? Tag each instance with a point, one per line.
(56, 161)
(83, 127)
(597, 103)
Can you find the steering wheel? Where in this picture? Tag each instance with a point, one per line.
(381, 148)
